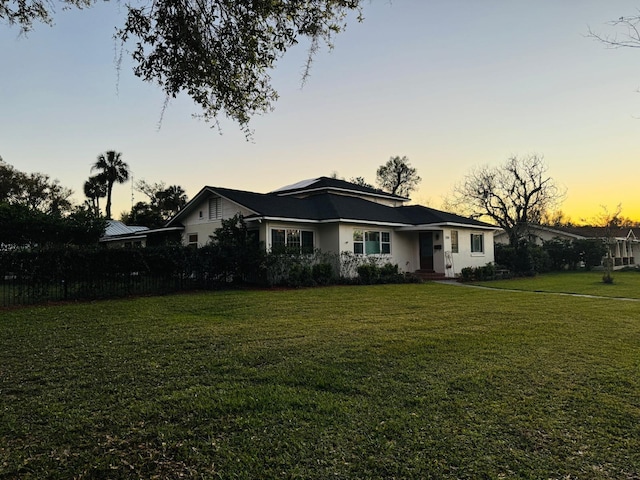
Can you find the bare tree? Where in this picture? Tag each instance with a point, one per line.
(627, 33)
(397, 176)
(513, 195)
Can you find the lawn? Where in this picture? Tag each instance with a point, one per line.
(625, 284)
(399, 381)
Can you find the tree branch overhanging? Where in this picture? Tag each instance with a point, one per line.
(218, 52)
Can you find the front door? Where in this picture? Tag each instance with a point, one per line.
(426, 251)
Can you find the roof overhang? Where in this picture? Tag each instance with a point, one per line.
(122, 238)
(342, 190)
(402, 227)
(325, 221)
(441, 225)
(165, 229)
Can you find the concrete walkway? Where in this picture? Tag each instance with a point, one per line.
(496, 289)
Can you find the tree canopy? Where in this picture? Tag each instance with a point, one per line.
(37, 211)
(397, 176)
(218, 52)
(164, 202)
(34, 191)
(512, 195)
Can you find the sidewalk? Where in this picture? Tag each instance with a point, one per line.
(567, 294)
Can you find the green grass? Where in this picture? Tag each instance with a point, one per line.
(625, 284)
(408, 381)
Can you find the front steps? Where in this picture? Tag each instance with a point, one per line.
(429, 275)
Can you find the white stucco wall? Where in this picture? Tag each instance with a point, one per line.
(465, 257)
(329, 237)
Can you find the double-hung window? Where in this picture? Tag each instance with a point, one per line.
(371, 242)
(477, 243)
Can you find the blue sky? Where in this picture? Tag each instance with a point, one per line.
(451, 84)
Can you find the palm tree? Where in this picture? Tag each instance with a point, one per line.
(94, 189)
(112, 170)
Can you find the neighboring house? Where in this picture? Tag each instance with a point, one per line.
(624, 245)
(117, 234)
(337, 216)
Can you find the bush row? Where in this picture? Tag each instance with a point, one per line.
(527, 258)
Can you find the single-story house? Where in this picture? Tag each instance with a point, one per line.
(624, 245)
(336, 216)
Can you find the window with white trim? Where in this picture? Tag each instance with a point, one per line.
(192, 240)
(215, 208)
(371, 242)
(477, 243)
(292, 238)
(454, 241)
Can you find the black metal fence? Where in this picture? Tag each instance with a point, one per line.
(26, 290)
(28, 277)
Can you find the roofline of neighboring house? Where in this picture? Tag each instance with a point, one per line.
(560, 232)
(384, 195)
(574, 235)
(137, 235)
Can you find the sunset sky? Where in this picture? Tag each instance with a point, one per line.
(451, 84)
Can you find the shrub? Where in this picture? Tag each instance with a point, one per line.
(590, 251)
(389, 270)
(322, 273)
(299, 276)
(466, 274)
(368, 273)
(486, 272)
(561, 254)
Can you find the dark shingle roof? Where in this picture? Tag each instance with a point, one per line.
(418, 215)
(329, 206)
(328, 183)
(326, 206)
